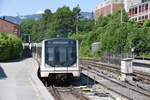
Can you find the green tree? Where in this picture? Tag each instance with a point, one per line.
(102, 21)
(43, 28)
(64, 21)
(86, 25)
(26, 26)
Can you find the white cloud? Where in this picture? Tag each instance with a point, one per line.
(39, 12)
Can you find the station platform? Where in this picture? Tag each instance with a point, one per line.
(146, 62)
(141, 65)
(19, 81)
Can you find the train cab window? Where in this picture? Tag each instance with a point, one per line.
(61, 56)
(71, 55)
(50, 53)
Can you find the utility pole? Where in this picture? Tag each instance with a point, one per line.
(77, 24)
(27, 37)
(121, 16)
(77, 20)
(93, 16)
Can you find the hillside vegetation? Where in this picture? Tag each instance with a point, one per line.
(115, 32)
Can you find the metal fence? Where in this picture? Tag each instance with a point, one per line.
(115, 58)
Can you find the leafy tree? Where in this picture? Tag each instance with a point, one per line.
(43, 28)
(102, 21)
(76, 17)
(146, 23)
(64, 22)
(119, 16)
(86, 25)
(47, 16)
(26, 26)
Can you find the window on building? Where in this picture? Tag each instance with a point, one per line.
(143, 17)
(146, 16)
(146, 6)
(135, 10)
(130, 12)
(140, 8)
(145, 1)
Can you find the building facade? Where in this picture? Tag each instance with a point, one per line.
(140, 11)
(129, 3)
(108, 7)
(9, 27)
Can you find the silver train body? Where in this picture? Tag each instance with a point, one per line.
(57, 56)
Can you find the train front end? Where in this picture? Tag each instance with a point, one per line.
(60, 58)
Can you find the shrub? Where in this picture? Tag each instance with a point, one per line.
(10, 46)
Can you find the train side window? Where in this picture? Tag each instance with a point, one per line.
(50, 52)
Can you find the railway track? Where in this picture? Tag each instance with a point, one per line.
(66, 93)
(142, 76)
(112, 68)
(123, 90)
(116, 70)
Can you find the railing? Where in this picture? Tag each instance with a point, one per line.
(115, 58)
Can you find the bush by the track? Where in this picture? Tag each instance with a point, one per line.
(10, 46)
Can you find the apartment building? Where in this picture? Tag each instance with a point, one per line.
(108, 7)
(140, 11)
(129, 3)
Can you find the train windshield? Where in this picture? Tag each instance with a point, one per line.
(58, 56)
(61, 56)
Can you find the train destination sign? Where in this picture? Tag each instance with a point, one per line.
(60, 42)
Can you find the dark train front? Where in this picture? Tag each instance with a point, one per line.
(59, 59)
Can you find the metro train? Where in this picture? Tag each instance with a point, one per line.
(58, 58)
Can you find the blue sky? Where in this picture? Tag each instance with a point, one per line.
(25, 7)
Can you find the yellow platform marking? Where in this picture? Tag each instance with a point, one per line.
(85, 88)
(34, 88)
